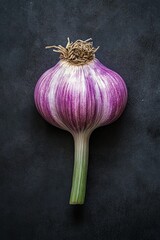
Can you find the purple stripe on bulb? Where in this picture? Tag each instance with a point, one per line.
(41, 95)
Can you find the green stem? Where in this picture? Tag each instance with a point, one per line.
(81, 141)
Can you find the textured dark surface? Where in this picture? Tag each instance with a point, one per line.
(123, 190)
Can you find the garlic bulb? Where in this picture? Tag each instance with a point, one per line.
(79, 94)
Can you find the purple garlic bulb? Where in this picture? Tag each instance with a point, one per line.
(80, 94)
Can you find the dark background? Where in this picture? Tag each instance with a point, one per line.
(123, 190)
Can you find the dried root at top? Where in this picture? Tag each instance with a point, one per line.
(77, 53)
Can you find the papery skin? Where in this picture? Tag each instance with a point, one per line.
(80, 98)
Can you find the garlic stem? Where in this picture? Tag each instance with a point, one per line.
(81, 142)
